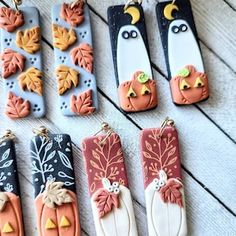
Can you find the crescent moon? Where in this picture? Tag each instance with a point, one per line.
(134, 13)
(168, 11)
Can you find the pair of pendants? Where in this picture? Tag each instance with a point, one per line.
(73, 50)
(22, 61)
(186, 73)
(110, 196)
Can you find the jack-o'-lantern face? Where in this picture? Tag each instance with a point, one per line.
(138, 94)
(189, 86)
(10, 215)
(57, 218)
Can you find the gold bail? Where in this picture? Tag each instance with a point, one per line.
(166, 122)
(75, 2)
(107, 129)
(17, 3)
(41, 131)
(7, 135)
(129, 2)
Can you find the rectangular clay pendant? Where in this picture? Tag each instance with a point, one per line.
(136, 87)
(21, 62)
(163, 184)
(54, 183)
(74, 63)
(186, 72)
(11, 221)
(108, 186)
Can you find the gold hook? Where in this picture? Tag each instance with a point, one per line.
(75, 2)
(129, 2)
(166, 122)
(7, 135)
(42, 131)
(107, 129)
(17, 3)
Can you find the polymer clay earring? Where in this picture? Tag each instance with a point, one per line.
(186, 72)
(11, 222)
(74, 63)
(54, 183)
(136, 87)
(21, 61)
(163, 183)
(108, 185)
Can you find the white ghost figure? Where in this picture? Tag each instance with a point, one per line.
(183, 48)
(132, 55)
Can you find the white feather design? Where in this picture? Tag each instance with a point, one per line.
(120, 221)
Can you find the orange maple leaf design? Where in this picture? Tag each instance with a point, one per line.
(10, 19)
(17, 107)
(74, 15)
(105, 202)
(83, 56)
(12, 61)
(171, 192)
(82, 104)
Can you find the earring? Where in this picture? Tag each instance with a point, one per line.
(10, 204)
(74, 63)
(21, 61)
(108, 184)
(182, 52)
(54, 183)
(134, 76)
(163, 180)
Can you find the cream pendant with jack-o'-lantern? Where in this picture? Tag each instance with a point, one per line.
(136, 86)
(186, 72)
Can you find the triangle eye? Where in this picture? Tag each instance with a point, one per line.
(64, 222)
(145, 90)
(50, 224)
(131, 93)
(184, 85)
(199, 83)
(7, 228)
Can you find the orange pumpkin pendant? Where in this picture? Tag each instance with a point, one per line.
(55, 193)
(11, 222)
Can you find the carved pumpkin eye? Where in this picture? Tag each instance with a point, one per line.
(145, 90)
(199, 83)
(7, 228)
(131, 93)
(50, 224)
(64, 222)
(184, 85)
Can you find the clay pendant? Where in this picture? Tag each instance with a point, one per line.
(186, 72)
(136, 86)
(163, 183)
(74, 63)
(108, 186)
(22, 62)
(10, 204)
(54, 183)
